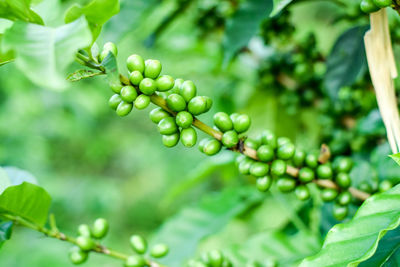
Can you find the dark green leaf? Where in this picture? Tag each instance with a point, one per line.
(396, 158)
(371, 124)
(82, 74)
(386, 168)
(19, 10)
(184, 231)
(279, 5)
(27, 201)
(97, 12)
(5, 231)
(351, 243)
(43, 53)
(346, 60)
(244, 25)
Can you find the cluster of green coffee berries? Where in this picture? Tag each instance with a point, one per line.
(139, 245)
(213, 258)
(86, 240)
(212, 15)
(370, 6)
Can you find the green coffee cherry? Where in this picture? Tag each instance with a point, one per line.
(157, 114)
(251, 143)
(264, 183)
(385, 185)
(188, 137)
(85, 243)
(128, 94)
(142, 102)
(167, 126)
(77, 256)
(368, 6)
(152, 68)
(259, 169)
(324, 171)
(223, 121)
(197, 105)
(176, 102)
(340, 212)
(286, 184)
(283, 141)
(312, 161)
(202, 143)
(188, 90)
(241, 123)
(184, 119)
(278, 167)
(302, 192)
(344, 198)
(107, 48)
(114, 101)
(165, 83)
(84, 230)
(286, 151)
(230, 139)
(159, 250)
(135, 63)
(299, 157)
(269, 138)
(215, 258)
(212, 147)
(100, 228)
(170, 140)
(245, 165)
(176, 89)
(306, 175)
(148, 86)
(135, 77)
(124, 108)
(344, 165)
(382, 3)
(234, 116)
(265, 153)
(135, 261)
(366, 187)
(138, 244)
(116, 87)
(328, 194)
(343, 179)
(209, 103)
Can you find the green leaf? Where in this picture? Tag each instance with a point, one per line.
(346, 60)
(97, 12)
(5, 231)
(279, 5)
(351, 243)
(184, 231)
(19, 10)
(396, 158)
(386, 168)
(244, 25)
(43, 53)
(27, 201)
(82, 74)
(111, 68)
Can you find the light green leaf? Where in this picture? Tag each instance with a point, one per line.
(244, 25)
(396, 158)
(279, 5)
(111, 68)
(27, 201)
(5, 231)
(184, 231)
(346, 60)
(19, 10)
(97, 12)
(82, 74)
(43, 53)
(351, 243)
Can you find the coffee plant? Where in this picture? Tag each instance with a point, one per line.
(317, 186)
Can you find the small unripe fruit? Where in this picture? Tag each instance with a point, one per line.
(343, 180)
(135, 63)
(136, 77)
(306, 175)
(209, 103)
(223, 121)
(299, 157)
(385, 185)
(165, 83)
(170, 140)
(278, 167)
(197, 105)
(230, 139)
(328, 194)
(100, 228)
(116, 87)
(382, 3)
(212, 147)
(366, 187)
(302, 192)
(242, 123)
(84, 230)
(340, 212)
(245, 165)
(283, 141)
(324, 171)
(259, 169)
(114, 101)
(128, 94)
(138, 244)
(265, 153)
(184, 119)
(85, 243)
(215, 258)
(135, 261)
(157, 114)
(368, 6)
(286, 184)
(176, 89)
(189, 137)
(152, 68)
(159, 250)
(202, 143)
(77, 256)
(176, 102)
(124, 108)
(188, 90)
(344, 165)
(249, 142)
(344, 198)
(142, 102)
(312, 161)
(107, 48)
(167, 126)
(148, 86)
(286, 151)
(268, 138)
(264, 183)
